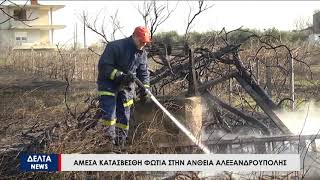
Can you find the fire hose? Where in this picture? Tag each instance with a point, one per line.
(174, 120)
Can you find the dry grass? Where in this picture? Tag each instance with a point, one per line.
(79, 65)
(34, 118)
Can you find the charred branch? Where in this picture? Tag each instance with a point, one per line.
(252, 121)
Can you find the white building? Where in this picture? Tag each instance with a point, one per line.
(29, 26)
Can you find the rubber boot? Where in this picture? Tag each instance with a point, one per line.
(110, 134)
(122, 137)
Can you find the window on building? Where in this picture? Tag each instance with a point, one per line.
(21, 37)
(20, 14)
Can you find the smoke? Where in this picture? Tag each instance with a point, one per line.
(304, 121)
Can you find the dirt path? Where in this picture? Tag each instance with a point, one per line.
(15, 80)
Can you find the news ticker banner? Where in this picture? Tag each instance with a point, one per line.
(160, 162)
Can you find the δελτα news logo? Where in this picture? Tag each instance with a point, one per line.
(40, 162)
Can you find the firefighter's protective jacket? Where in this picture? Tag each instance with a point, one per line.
(121, 55)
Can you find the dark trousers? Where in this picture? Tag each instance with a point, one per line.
(116, 113)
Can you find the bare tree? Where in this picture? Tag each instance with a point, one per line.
(302, 23)
(155, 14)
(93, 26)
(145, 11)
(102, 27)
(21, 17)
(191, 17)
(115, 25)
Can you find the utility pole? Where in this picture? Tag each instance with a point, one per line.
(75, 37)
(84, 31)
(51, 25)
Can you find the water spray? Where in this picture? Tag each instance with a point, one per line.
(175, 121)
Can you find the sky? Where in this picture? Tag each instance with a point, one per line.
(282, 15)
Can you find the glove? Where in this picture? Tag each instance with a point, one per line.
(124, 79)
(144, 96)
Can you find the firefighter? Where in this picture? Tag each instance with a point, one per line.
(120, 62)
